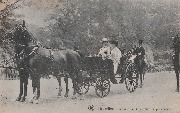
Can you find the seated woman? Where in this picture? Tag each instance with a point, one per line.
(105, 50)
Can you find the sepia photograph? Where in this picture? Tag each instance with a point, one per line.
(89, 56)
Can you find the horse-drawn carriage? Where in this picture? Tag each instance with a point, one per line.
(99, 72)
(84, 71)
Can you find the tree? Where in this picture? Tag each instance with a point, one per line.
(7, 20)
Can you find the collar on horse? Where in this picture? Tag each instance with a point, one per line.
(35, 51)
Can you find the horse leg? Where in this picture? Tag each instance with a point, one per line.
(77, 83)
(24, 90)
(34, 94)
(80, 83)
(67, 90)
(34, 89)
(74, 89)
(141, 77)
(21, 90)
(25, 83)
(60, 87)
(137, 80)
(143, 73)
(177, 77)
(37, 91)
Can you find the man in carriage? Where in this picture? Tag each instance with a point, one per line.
(115, 55)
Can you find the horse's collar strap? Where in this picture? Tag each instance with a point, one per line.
(51, 53)
(21, 45)
(33, 50)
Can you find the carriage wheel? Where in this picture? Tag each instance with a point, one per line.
(102, 87)
(83, 88)
(131, 79)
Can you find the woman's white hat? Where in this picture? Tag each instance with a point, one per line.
(104, 40)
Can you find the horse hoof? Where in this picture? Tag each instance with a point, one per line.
(66, 95)
(74, 97)
(22, 99)
(81, 97)
(31, 102)
(18, 99)
(176, 90)
(59, 96)
(36, 102)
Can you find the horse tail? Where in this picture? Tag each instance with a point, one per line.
(81, 57)
(81, 54)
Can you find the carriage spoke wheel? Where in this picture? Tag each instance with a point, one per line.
(131, 78)
(83, 87)
(102, 87)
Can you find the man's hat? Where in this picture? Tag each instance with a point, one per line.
(140, 41)
(123, 51)
(114, 42)
(104, 40)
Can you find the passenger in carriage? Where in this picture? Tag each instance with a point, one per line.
(105, 50)
(115, 55)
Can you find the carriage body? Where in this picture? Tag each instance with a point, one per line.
(97, 73)
(97, 67)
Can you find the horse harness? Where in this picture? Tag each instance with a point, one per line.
(35, 50)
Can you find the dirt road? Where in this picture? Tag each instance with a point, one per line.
(157, 96)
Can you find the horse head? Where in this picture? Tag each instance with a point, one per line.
(18, 36)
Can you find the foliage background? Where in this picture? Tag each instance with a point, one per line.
(83, 23)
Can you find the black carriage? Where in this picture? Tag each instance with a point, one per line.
(98, 73)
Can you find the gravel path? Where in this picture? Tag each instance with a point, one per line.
(157, 96)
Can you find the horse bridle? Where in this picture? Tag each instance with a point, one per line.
(34, 40)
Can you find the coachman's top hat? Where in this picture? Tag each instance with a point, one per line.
(140, 41)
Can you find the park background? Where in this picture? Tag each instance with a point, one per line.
(69, 23)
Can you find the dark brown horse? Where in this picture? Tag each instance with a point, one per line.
(67, 62)
(39, 61)
(141, 68)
